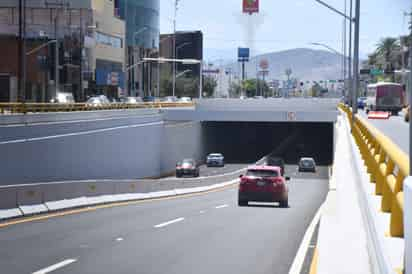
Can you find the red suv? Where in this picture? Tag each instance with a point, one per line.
(263, 184)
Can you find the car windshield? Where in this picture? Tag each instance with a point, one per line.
(215, 155)
(261, 173)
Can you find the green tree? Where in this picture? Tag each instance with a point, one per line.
(250, 87)
(389, 51)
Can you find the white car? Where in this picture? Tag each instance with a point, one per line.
(185, 100)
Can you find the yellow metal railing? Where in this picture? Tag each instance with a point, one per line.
(6, 108)
(387, 165)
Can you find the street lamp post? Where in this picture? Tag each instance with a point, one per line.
(356, 22)
(174, 64)
(134, 53)
(183, 61)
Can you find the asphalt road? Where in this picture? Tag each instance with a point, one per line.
(395, 128)
(208, 233)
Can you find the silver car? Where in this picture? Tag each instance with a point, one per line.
(307, 165)
(215, 159)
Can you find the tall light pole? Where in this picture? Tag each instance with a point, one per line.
(134, 53)
(356, 22)
(350, 50)
(174, 64)
(174, 47)
(356, 61)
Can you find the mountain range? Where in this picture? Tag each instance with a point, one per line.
(306, 64)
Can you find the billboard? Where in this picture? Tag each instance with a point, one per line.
(250, 6)
(264, 64)
(243, 54)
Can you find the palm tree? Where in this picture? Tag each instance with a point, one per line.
(389, 50)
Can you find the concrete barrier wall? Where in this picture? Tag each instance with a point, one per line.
(39, 194)
(180, 140)
(124, 153)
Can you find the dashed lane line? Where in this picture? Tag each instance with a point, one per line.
(169, 222)
(55, 266)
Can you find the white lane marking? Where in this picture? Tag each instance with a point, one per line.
(297, 264)
(222, 206)
(202, 211)
(55, 266)
(119, 239)
(169, 223)
(79, 133)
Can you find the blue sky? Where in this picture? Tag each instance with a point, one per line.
(286, 24)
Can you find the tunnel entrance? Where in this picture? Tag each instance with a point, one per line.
(247, 142)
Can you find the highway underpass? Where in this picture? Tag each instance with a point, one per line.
(204, 233)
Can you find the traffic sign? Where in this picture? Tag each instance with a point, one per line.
(376, 72)
(291, 116)
(365, 71)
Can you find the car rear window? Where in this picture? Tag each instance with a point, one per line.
(188, 162)
(307, 162)
(262, 173)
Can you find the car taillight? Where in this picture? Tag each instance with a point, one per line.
(277, 182)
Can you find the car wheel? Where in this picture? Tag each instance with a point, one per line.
(284, 204)
(242, 203)
(178, 175)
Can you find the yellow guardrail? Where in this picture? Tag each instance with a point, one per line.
(49, 107)
(387, 165)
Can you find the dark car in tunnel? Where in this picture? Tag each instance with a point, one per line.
(275, 161)
(263, 184)
(187, 167)
(307, 165)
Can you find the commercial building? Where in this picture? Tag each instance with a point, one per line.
(189, 45)
(90, 49)
(142, 40)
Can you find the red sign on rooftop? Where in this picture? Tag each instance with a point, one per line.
(250, 6)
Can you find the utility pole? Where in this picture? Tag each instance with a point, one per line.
(21, 73)
(356, 60)
(58, 5)
(410, 103)
(344, 50)
(24, 55)
(350, 50)
(174, 48)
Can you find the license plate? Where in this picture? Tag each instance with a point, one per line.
(261, 183)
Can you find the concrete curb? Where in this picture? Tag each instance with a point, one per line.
(342, 236)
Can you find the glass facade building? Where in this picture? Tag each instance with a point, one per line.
(140, 15)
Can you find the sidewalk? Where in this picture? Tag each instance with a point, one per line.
(342, 242)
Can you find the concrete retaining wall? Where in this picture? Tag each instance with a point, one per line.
(117, 154)
(182, 140)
